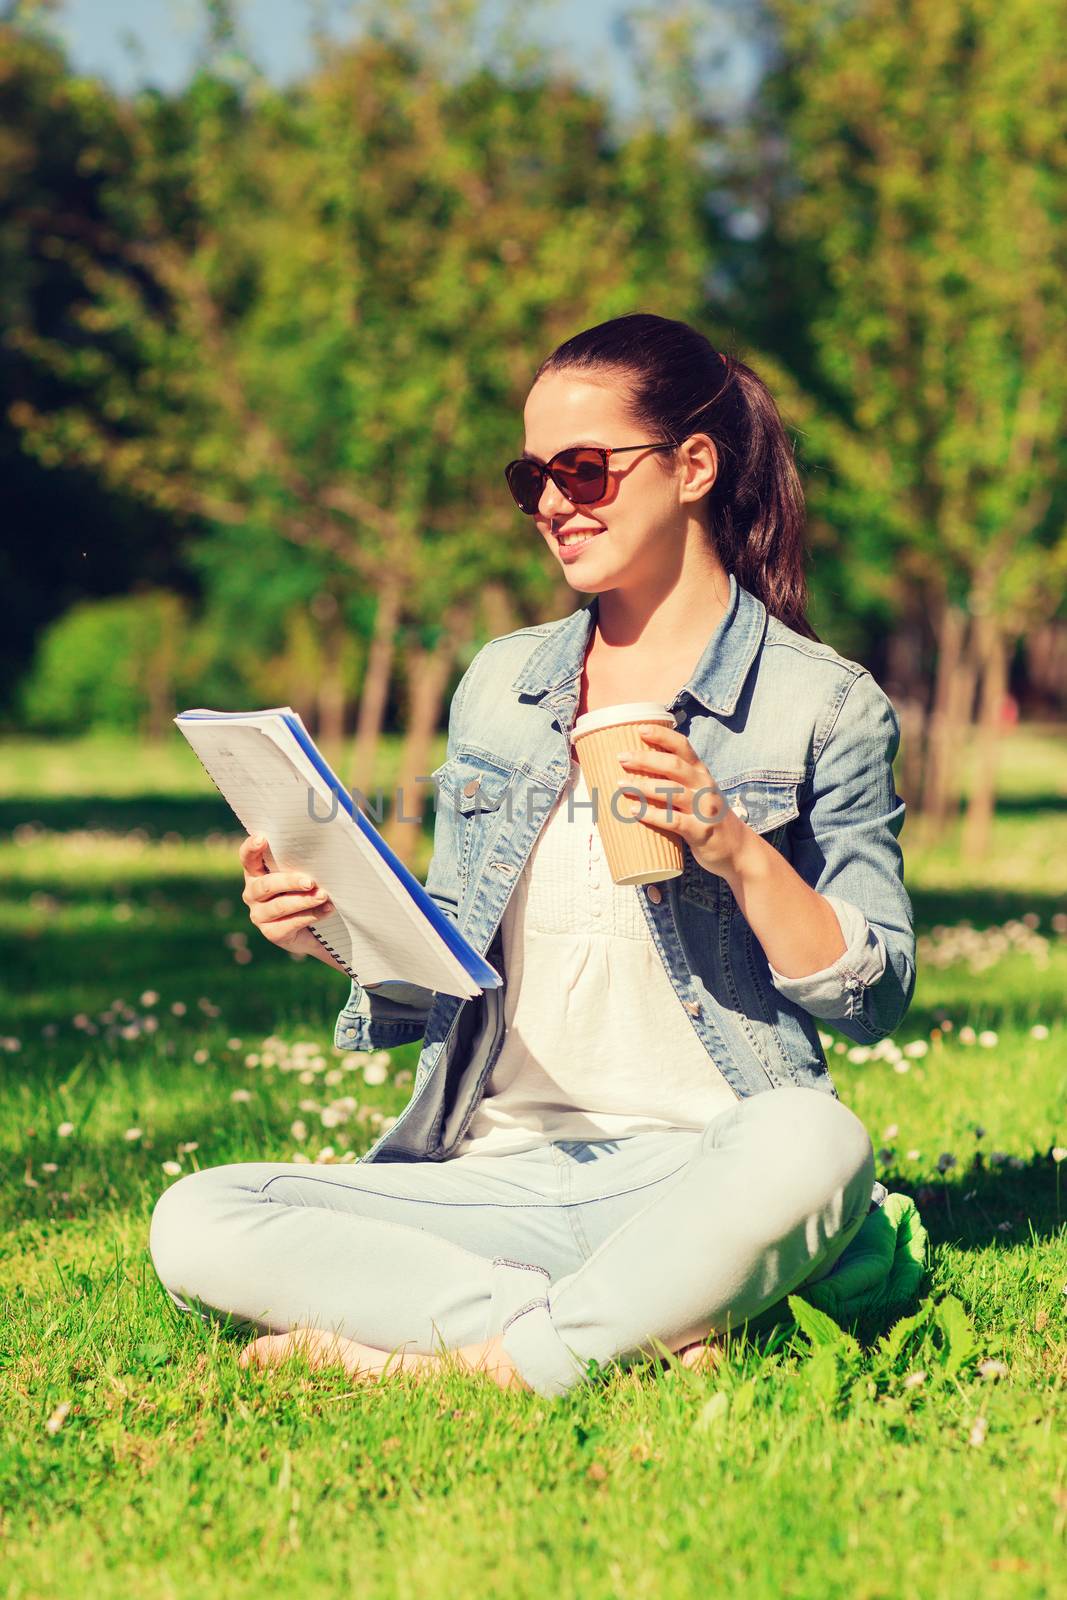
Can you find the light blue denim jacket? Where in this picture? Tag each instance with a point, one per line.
(801, 743)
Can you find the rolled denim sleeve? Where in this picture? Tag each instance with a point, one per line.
(864, 956)
(844, 844)
(385, 1015)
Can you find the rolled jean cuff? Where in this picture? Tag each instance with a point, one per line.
(521, 1313)
(831, 994)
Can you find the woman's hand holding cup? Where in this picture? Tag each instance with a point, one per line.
(695, 810)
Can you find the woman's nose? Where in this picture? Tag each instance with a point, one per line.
(553, 501)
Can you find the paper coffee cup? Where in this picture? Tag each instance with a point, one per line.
(635, 853)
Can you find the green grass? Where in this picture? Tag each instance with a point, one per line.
(786, 1473)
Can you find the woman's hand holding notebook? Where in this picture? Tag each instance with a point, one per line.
(282, 905)
(378, 923)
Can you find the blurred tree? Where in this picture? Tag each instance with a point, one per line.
(66, 534)
(343, 291)
(922, 184)
(115, 663)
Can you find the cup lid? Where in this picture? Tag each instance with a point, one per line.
(632, 711)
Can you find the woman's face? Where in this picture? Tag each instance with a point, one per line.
(640, 523)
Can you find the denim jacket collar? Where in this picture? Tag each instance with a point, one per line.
(719, 675)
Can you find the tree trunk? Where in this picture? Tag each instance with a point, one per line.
(428, 672)
(906, 678)
(375, 690)
(1046, 664)
(330, 694)
(913, 736)
(993, 666)
(951, 712)
(498, 612)
(159, 670)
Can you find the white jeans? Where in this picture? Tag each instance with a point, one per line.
(575, 1250)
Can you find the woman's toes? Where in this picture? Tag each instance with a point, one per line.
(702, 1357)
(319, 1348)
(266, 1351)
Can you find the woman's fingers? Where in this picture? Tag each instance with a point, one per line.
(286, 905)
(270, 895)
(251, 853)
(658, 794)
(279, 930)
(287, 912)
(255, 856)
(280, 904)
(275, 883)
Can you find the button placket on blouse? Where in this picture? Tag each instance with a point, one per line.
(591, 857)
(594, 878)
(594, 866)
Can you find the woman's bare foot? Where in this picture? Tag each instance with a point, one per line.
(704, 1356)
(323, 1349)
(362, 1361)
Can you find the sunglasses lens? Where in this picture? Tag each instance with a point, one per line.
(580, 474)
(526, 482)
(583, 475)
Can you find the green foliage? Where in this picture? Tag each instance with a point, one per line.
(940, 1340)
(820, 1329)
(116, 663)
(69, 534)
(328, 302)
(922, 157)
(957, 1342)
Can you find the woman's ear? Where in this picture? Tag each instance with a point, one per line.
(700, 465)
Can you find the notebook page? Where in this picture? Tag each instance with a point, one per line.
(421, 930)
(377, 931)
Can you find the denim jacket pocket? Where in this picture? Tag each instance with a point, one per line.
(474, 786)
(767, 801)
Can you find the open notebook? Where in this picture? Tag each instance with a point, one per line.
(385, 927)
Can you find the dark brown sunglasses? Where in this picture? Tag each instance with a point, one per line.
(580, 474)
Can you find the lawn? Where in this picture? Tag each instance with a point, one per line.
(148, 1030)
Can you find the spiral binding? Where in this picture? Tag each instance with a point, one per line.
(335, 953)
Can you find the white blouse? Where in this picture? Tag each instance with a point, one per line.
(597, 1043)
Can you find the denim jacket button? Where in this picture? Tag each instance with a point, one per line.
(655, 893)
(469, 788)
(693, 1007)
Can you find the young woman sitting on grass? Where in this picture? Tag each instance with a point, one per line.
(634, 1145)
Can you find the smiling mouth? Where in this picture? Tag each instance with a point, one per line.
(565, 539)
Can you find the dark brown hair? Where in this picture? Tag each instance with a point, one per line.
(677, 384)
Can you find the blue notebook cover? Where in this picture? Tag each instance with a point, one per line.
(476, 966)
